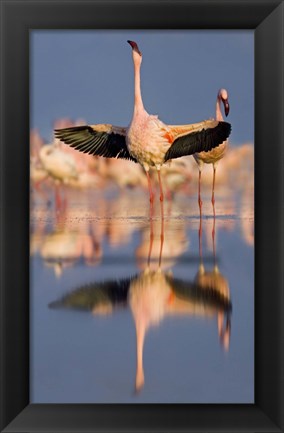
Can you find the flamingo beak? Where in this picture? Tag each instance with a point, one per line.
(226, 106)
(134, 46)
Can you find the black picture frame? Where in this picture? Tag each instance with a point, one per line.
(17, 19)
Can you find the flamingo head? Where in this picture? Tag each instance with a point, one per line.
(223, 95)
(137, 55)
(134, 47)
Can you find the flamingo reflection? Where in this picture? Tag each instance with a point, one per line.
(213, 281)
(152, 295)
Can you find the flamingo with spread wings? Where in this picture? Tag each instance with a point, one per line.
(147, 140)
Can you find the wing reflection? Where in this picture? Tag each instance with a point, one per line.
(154, 294)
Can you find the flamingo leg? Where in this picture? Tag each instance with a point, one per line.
(169, 196)
(200, 235)
(151, 242)
(162, 234)
(151, 194)
(160, 185)
(213, 237)
(162, 216)
(213, 204)
(199, 190)
(213, 186)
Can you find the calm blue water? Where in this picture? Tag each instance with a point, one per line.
(100, 300)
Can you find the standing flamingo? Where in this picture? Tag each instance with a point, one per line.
(216, 153)
(147, 139)
(60, 166)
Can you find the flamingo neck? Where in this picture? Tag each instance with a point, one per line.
(138, 103)
(219, 115)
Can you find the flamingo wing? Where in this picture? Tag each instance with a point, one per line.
(103, 140)
(92, 295)
(194, 293)
(208, 135)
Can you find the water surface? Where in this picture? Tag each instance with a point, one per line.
(120, 314)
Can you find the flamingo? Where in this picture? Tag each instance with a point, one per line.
(216, 153)
(59, 165)
(147, 140)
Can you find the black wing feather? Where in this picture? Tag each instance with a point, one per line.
(200, 141)
(88, 140)
(89, 296)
